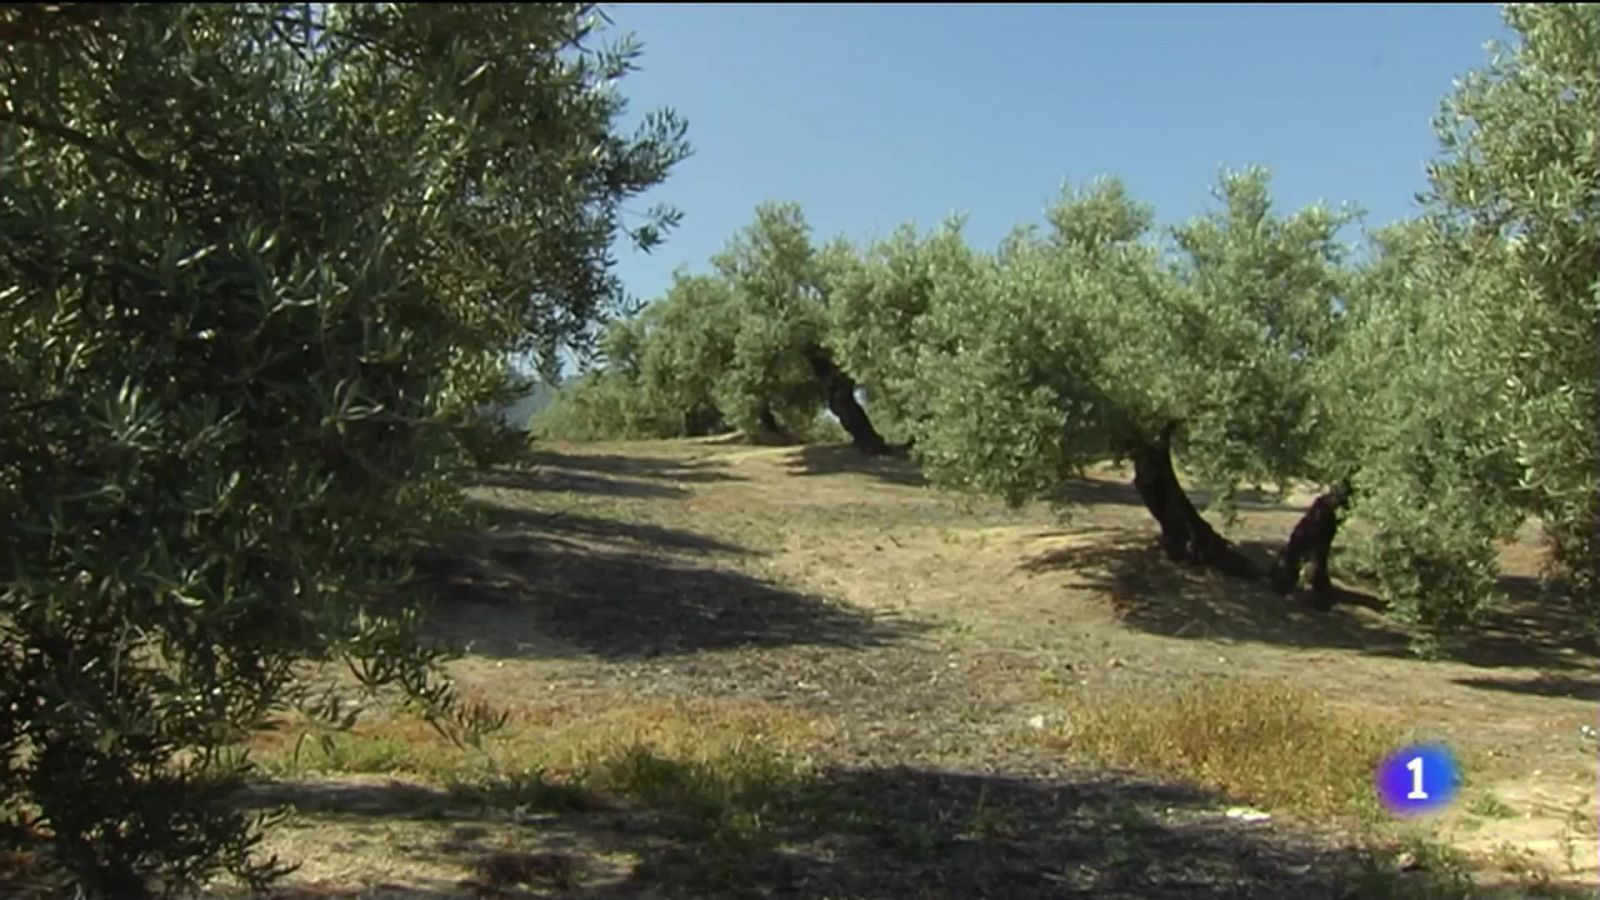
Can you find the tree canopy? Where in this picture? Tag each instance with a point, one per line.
(1517, 196)
(262, 264)
(747, 346)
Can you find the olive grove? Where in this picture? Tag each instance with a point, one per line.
(1436, 382)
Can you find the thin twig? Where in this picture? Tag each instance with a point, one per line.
(84, 141)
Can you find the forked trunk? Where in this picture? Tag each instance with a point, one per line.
(1185, 536)
(1309, 545)
(840, 391)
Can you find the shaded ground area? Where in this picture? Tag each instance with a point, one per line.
(1155, 596)
(639, 477)
(837, 459)
(1541, 686)
(1530, 629)
(667, 468)
(618, 589)
(1151, 594)
(828, 459)
(889, 832)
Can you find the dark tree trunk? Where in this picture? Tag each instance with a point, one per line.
(1309, 545)
(1185, 536)
(840, 391)
(702, 420)
(769, 424)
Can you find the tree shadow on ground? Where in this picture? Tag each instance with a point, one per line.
(890, 833)
(553, 584)
(1154, 595)
(1099, 492)
(1530, 619)
(841, 459)
(1159, 597)
(510, 522)
(651, 467)
(1587, 689)
(1246, 500)
(554, 481)
(642, 477)
(1527, 628)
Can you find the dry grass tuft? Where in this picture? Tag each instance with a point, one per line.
(1262, 742)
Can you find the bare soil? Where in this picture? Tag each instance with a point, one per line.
(920, 626)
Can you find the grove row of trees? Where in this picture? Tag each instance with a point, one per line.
(1440, 386)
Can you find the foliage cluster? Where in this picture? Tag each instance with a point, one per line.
(260, 265)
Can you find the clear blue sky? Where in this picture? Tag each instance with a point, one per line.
(870, 116)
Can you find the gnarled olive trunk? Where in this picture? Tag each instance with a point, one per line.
(840, 391)
(1185, 535)
(1309, 545)
(769, 430)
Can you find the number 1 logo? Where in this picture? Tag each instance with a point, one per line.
(1417, 791)
(1418, 779)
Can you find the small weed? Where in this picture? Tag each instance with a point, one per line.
(1578, 826)
(530, 791)
(1055, 683)
(1491, 807)
(1415, 869)
(990, 822)
(381, 747)
(915, 839)
(956, 628)
(1126, 817)
(1513, 860)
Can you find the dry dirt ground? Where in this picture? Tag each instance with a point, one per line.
(915, 630)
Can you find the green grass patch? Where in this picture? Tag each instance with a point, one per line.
(1490, 807)
(713, 770)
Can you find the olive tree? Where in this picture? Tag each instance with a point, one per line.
(1517, 189)
(1090, 342)
(657, 372)
(877, 303)
(1461, 397)
(748, 345)
(689, 346)
(261, 266)
(1409, 431)
(783, 367)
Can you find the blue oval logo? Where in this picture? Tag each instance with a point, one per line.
(1418, 779)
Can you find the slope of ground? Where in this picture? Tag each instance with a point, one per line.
(741, 672)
